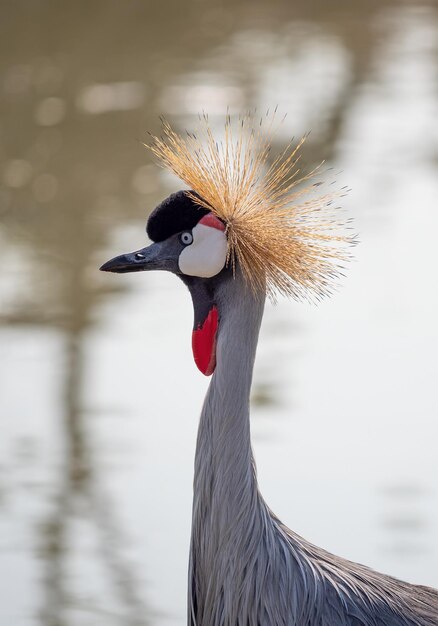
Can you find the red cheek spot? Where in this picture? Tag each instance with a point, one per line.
(204, 343)
(212, 221)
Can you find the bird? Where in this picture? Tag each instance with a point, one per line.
(248, 227)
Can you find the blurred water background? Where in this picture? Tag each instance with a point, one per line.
(99, 395)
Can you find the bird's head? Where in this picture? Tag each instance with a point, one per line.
(242, 214)
(191, 242)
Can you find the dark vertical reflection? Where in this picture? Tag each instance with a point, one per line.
(405, 523)
(79, 489)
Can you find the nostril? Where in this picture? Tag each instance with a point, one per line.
(139, 256)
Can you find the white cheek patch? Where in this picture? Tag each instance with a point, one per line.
(206, 256)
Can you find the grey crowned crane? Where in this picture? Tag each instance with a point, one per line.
(243, 231)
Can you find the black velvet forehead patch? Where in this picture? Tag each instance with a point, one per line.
(176, 213)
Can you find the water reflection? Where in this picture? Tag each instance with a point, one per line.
(79, 500)
(79, 88)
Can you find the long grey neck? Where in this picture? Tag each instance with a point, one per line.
(226, 498)
(223, 464)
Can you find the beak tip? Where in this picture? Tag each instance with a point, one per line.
(105, 267)
(118, 264)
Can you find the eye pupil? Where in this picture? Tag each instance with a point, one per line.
(139, 256)
(186, 238)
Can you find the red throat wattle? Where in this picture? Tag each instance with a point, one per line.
(204, 343)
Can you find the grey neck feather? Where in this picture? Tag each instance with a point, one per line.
(224, 447)
(246, 568)
(225, 488)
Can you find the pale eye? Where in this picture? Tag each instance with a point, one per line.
(186, 238)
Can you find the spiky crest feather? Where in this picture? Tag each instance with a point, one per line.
(286, 240)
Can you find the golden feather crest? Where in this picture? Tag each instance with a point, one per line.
(286, 238)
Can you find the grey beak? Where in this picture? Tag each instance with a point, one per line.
(149, 258)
